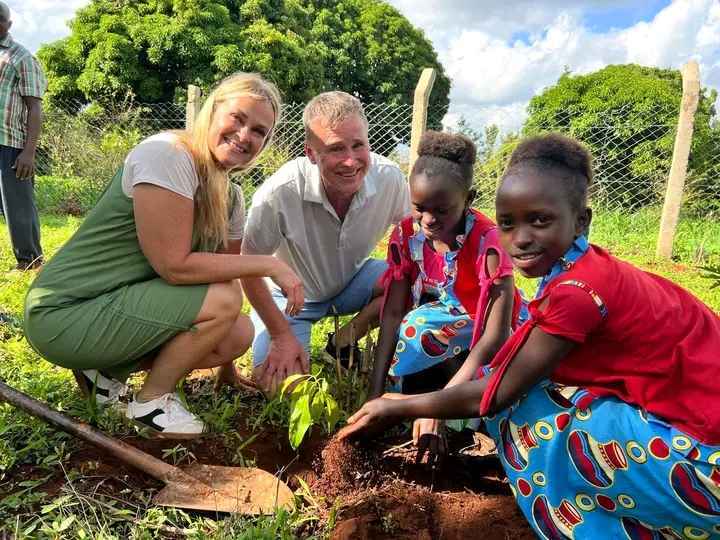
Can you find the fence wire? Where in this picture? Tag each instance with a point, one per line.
(632, 152)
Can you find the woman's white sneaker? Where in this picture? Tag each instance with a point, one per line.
(107, 390)
(166, 417)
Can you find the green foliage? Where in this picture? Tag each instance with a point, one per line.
(712, 273)
(627, 115)
(152, 49)
(310, 403)
(86, 148)
(66, 195)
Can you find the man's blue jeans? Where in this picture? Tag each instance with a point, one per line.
(356, 295)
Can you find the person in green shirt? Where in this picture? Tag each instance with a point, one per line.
(150, 280)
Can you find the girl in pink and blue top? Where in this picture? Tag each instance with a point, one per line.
(448, 290)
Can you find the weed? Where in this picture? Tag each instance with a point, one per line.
(178, 455)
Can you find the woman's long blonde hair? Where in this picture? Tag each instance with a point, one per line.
(212, 197)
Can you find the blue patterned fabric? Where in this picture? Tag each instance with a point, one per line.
(585, 467)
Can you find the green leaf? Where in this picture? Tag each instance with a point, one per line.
(290, 380)
(66, 523)
(333, 412)
(317, 406)
(300, 421)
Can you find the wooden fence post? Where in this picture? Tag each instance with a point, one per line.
(420, 109)
(678, 169)
(193, 105)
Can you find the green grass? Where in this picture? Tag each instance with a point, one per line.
(27, 511)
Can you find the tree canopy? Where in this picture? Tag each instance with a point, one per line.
(152, 49)
(627, 115)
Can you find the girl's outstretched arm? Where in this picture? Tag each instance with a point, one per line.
(535, 361)
(393, 313)
(496, 324)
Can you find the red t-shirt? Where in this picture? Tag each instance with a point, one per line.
(641, 338)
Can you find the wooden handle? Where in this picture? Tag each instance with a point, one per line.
(123, 451)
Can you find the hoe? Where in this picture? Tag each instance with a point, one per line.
(243, 490)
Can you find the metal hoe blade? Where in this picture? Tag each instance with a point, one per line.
(244, 490)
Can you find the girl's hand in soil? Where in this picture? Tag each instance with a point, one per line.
(423, 426)
(372, 417)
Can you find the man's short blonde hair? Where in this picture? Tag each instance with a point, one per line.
(332, 107)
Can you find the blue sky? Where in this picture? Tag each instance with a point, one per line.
(613, 15)
(499, 53)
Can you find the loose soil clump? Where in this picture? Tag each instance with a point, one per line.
(341, 468)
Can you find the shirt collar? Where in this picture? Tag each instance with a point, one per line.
(419, 235)
(6, 42)
(576, 250)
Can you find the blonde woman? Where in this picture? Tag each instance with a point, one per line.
(149, 280)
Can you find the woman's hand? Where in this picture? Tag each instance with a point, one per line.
(291, 286)
(372, 417)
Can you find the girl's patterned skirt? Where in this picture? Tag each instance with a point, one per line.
(587, 467)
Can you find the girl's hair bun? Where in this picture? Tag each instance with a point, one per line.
(451, 146)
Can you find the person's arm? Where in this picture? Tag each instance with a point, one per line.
(393, 313)
(25, 163)
(496, 327)
(535, 360)
(286, 355)
(166, 240)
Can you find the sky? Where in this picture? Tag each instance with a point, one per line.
(500, 53)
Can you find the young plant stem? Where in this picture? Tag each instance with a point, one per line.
(352, 346)
(337, 347)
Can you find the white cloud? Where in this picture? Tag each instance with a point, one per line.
(41, 21)
(494, 77)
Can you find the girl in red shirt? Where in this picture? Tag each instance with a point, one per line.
(448, 289)
(605, 404)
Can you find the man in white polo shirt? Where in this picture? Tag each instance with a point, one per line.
(322, 214)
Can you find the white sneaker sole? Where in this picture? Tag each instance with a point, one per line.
(153, 433)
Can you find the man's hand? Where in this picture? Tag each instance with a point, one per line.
(25, 165)
(286, 357)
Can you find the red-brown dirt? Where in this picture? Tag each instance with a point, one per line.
(377, 490)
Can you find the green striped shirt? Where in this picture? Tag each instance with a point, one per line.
(20, 76)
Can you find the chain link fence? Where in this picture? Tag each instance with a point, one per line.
(632, 159)
(632, 154)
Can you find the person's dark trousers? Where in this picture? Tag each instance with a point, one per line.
(20, 211)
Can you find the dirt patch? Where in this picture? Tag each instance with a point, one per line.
(375, 491)
(342, 467)
(382, 493)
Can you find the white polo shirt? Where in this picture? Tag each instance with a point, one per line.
(291, 217)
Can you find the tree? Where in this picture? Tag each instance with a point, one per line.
(152, 49)
(627, 115)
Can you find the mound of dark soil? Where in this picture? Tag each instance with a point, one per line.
(343, 468)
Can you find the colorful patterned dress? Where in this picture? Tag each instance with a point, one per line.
(442, 323)
(593, 462)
